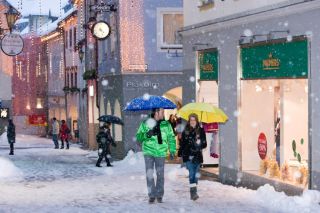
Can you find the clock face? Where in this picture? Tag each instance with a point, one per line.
(101, 30)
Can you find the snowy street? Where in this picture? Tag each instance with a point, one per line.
(40, 179)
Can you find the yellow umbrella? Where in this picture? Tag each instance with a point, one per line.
(206, 112)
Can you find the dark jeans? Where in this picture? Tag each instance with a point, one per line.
(55, 140)
(155, 189)
(104, 154)
(193, 171)
(62, 143)
(278, 154)
(11, 148)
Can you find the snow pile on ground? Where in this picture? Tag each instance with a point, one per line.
(3, 139)
(8, 169)
(278, 201)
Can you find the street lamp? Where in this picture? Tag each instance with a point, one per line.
(81, 55)
(12, 15)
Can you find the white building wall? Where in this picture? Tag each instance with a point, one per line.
(194, 15)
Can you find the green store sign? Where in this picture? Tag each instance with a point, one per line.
(208, 65)
(275, 60)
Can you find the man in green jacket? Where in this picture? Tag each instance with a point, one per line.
(157, 137)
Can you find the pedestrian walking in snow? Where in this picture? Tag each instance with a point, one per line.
(192, 142)
(11, 135)
(156, 140)
(55, 132)
(64, 134)
(104, 140)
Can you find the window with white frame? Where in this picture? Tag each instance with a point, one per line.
(169, 21)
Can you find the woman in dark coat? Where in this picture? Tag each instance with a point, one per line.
(192, 142)
(11, 134)
(104, 140)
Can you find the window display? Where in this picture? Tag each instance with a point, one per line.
(274, 129)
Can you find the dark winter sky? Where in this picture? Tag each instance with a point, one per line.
(33, 6)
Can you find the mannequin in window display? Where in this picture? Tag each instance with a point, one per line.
(277, 140)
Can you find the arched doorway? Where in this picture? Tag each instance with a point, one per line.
(102, 106)
(117, 128)
(175, 95)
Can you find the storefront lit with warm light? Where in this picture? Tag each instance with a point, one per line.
(273, 110)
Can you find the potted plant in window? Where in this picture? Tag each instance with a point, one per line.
(66, 89)
(301, 175)
(89, 74)
(74, 89)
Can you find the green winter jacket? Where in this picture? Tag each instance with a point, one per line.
(151, 147)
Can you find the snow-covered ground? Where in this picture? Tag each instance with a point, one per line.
(41, 179)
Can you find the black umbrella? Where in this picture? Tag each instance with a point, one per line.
(110, 119)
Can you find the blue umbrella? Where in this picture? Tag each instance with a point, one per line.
(151, 102)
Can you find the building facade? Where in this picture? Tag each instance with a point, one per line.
(264, 65)
(53, 45)
(71, 60)
(6, 72)
(141, 56)
(29, 86)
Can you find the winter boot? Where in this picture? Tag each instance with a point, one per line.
(151, 200)
(108, 163)
(67, 146)
(11, 153)
(98, 165)
(159, 200)
(193, 192)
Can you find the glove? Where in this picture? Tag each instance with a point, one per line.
(150, 133)
(172, 156)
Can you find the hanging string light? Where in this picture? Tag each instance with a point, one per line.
(40, 17)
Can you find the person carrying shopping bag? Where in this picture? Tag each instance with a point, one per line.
(193, 141)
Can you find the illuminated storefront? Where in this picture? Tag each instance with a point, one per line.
(274, 110)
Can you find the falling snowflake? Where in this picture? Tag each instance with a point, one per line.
(247, 32)
(192, 78)
(146, 97)
(309, 34)
(289, 38)
(151, 123)
(105, 82)
(236, 113)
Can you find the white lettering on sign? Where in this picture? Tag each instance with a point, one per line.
(12, 44)
(143, 84)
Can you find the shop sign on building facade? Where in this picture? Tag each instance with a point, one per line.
(272, 60)
(208, 64)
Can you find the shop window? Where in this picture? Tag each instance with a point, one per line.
(71, 79)
(74, 37)
(76, 78)
(275, 141)
(66, 39)
(113, 37)
(39, 103)
(70, 37)
(68, 79)
(169, 21)
(274, 87)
